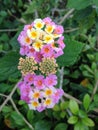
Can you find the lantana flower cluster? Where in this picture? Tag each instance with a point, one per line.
(41, 42)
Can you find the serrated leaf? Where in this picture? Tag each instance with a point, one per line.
(8, 65)
(76, 4)
(71, 52)
(73, 120)
(88, 122)
(74, 107)
(61, 126)
(86, 101)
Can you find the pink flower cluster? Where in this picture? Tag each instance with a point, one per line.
(39, 92)
(41, 39)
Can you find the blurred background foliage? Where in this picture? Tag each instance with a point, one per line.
(80, 62)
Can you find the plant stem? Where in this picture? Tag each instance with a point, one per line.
(9, 30)
(8, 97)
(61, 71)
(14, 106)
(94, 90)
(66, 16)
(3, 95)
(71, 97)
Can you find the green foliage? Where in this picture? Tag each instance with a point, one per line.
(61, 126)
(71, 52)
(8, 65)
(73, 120)
(74, 107)
(86, 101)
(17, 119)
(75, 4)
(80, 62)
(43, 125)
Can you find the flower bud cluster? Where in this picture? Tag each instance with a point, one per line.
(41, 42)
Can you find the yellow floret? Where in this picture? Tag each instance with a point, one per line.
(34, 104)
(38, 24)
(48, 39)
(33, 34)
(38, 45)
(47, 102)
(49, 29)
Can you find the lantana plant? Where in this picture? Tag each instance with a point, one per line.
(41, 42)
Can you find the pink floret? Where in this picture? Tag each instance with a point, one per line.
(51, 80)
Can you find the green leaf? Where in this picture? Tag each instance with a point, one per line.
(95, 2)
(71, 52)
(64, 105)
(18, 119)
(31, 8)
(30, 116)
(5, 88)
(56, 108)
(74, 107)
(63, 114)
(26, 128)
(96, 98)
(79, 4)
(61, 126)
(8, 65)
(88, 122)
(80, 126)
(82, 114)
(86, 101)
(73, 120)
(21, 102)
(6, 109)
(14, 42)
(43, 125)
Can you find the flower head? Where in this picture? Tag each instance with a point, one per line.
(27, 65)
(41, 42)
(48, 66)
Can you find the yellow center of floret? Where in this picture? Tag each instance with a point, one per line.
(27, 40)
(34, 34)
(48, 101)
(34, 103)
(49, 29)
(39, 25)
(36, 95)
(48, 92)
(48, 38)
(37, 45)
